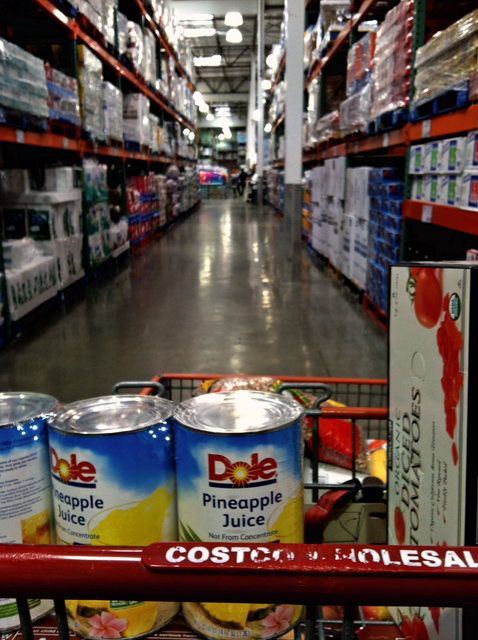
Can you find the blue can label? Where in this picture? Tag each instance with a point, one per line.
(114, 490)
(245, 488)
(25, 501)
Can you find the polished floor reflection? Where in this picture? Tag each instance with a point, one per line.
(217, 294)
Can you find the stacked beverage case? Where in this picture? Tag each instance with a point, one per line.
(236, 458)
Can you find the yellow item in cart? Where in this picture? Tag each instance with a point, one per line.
(286, 523)
(36, 529)
(232, 615)
(136, 525)
(141, 616)
(71, 607)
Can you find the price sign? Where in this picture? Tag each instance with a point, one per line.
(426, 128)
(386, 140)
(20, 136)
(427, 214)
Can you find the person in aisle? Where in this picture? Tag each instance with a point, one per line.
(242, 182)
(235, 183)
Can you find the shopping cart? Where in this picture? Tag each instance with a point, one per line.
(296, 574)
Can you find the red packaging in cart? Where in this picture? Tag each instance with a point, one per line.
(432, 495)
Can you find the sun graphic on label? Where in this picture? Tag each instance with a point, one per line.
(64, 470)
(240, 474)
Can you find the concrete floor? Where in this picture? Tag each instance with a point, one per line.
(215, 295)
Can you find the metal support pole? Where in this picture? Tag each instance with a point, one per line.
(251, 128)
(294, 79)
(260, 106)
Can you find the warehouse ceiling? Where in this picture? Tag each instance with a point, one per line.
(228, 84)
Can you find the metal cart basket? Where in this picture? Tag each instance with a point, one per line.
(298, 574)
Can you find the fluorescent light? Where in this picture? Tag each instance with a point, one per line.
(271, 61)
(266, 84)
(268, 127)
(221, 136)
(192, 135)
(208, 61)
(233, 19)
(210, 117)
(203, 107)
(201, 32)
(234, 36)
(61, 16)
(256, 115)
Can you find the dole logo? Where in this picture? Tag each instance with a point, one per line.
(76, 474)
(224, 473)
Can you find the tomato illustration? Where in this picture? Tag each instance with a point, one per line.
(427, 298)
(419, 628)
(435, 611)
(407, 628)
(399, 525)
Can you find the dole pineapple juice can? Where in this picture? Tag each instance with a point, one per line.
(239, 476)
(25, 485)
(112, 469)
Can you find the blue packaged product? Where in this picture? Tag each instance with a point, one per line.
(26, 513)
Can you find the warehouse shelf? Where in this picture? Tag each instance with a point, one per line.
(76, 32)
(279, 72)
(448, 124)
(81, 147)
(365, 8)
(164, 41)
(442, 216)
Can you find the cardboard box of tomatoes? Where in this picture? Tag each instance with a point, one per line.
(433, 411)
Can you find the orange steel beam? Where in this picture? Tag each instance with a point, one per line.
(447, 124)
(443, 216)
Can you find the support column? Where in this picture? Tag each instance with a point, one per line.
(260, 106)
(251, 125)
(294, 78)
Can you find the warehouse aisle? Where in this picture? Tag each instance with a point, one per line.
(215, 294)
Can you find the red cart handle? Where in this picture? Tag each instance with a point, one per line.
(243, 572)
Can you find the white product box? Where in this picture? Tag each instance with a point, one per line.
(432, 498)
(453, 155)
(348, 245)
(350, 190)
(433, 155)
(136, 126)
(359, 256)
(431, 188)
(418, 188)
(67, 253)
(337, 187)
(316, 180)
(471, 161)
(417, 159)
(328, 185)
(450, 190)
(59, 179)
(469, 191)
(14, 182)
(29, 287)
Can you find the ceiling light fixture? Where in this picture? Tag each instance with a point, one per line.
(256, 115)
(268, 127)
(186, 132)
(197, 97)
(208, 61)
(203, 107)
(266, 84)
(271, 61)
(210, 117)
(233, 19)
(221, 136)
(192, 135)
(201, 32)
(234, 36)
